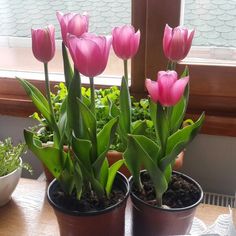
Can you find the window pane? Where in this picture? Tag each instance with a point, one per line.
(18, 17)
(215, 25)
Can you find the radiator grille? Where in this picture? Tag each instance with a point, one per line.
(219, 199)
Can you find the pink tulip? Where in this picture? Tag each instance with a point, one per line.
(43, 43)
(89, 53)
(125, 41)
(168, 89)
(177, 42)
(72, 23)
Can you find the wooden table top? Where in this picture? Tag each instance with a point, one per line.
(29, 214)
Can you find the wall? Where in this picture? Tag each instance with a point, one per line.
(13, 127)
(211, 160)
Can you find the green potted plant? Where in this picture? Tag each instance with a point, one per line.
(10, 168)
(86, 190)
(163, 201)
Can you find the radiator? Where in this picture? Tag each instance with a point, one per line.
(219, 199)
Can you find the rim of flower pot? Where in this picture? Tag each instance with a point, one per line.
(186, 177)
(119, 176)
(13, 172)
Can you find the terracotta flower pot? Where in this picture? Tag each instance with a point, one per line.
(150, 220)
(110, 221)
(114, 156)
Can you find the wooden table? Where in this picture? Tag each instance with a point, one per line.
(29, 214)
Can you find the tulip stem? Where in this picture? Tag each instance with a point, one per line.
(126, 70)
(48, 93)
(92, 95)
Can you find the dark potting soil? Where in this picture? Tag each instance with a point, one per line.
(180, 193)
(87, 202)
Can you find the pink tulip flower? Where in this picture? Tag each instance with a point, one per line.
(43, 43)
(125, 41)
(177, 42)
(168, 89)
(72, 23)
(89, 53)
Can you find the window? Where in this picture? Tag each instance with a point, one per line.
(213, 87)
(17, 19)
(15, 44)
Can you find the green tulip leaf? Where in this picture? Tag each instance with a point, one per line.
(68, 72)
(78, 180)
(37, 98)
(112, 174)
(179, 110)
(82, 149)
(125, 108)
(74, 118)
(89, 127)
(50, 156)
(179, 140)
(106, 135)
(137, 153)
(103, 175)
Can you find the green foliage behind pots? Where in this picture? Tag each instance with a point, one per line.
(103, 98)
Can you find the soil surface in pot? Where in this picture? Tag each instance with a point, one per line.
(180, 193)
(87, 202)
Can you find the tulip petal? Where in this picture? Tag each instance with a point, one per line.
(153, 89)
(43, 43)
(125, 41)
(165, 81)
(166, 40)
(178, 89)
(177, 47)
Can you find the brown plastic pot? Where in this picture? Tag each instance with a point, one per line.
(110, 221)
(149, 220)
(114, 156)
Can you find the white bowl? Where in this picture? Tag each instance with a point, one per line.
(8, 184)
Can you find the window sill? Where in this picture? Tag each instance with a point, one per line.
(15, 102)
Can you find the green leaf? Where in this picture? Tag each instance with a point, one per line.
(104, 140)
(139, 127)
(73, 110)
(50, 156)
(153, 115)
(137, 153)
(62, 121)
(89, 126)
(78, 179)
(179, 140)
(106, 135)
(37, 98)
(82, 149)
(103, 175)
(68, 72)
(112, 174)
(125, 108)
(179, 110)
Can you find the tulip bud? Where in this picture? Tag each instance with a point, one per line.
(89, 53)
(72, 23)
(167, 89)
(125, 41)
(43, 43)
(177, 42)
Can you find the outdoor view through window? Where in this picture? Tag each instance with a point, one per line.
(213, 20)
(215, 25)
(18, 17)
